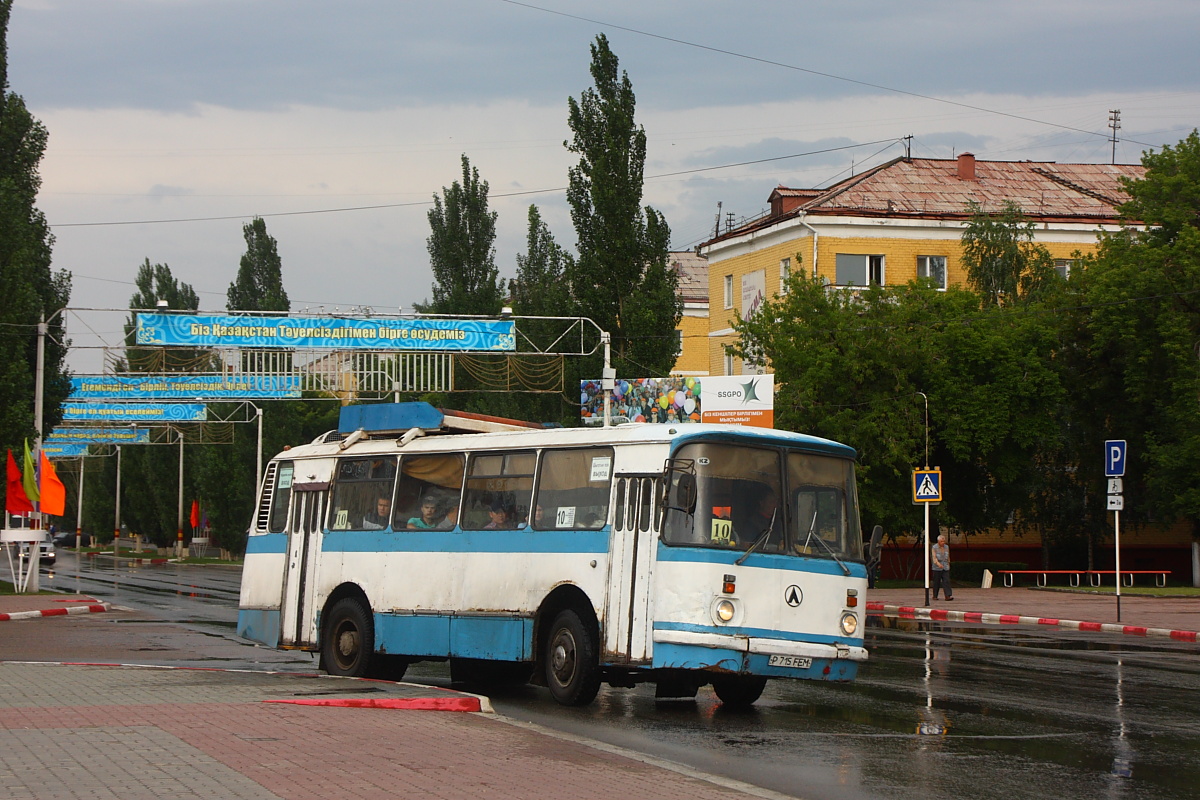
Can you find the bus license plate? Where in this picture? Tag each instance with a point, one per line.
(795, 662)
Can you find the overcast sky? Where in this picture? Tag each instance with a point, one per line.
(173, 122)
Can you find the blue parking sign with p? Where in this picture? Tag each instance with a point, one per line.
(1114, 458)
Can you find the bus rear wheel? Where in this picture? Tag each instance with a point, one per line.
(349, 640)
(739, 690)
(571, 661)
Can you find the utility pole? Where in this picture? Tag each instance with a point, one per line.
(1114, 122)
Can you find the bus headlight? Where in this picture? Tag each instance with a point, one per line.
(849, 623)
(724, 610)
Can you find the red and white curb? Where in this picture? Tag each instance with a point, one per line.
(57, 612)
(449, 699)
(914, 612)
(465, 703)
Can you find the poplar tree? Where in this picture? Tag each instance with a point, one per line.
(259, 284)
(621, 278)
(461, 249)
(29, 289)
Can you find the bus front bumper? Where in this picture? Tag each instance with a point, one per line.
(756, 656)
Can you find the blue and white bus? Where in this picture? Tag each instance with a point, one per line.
(685, 555)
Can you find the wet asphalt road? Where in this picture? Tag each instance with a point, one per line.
(940, 711)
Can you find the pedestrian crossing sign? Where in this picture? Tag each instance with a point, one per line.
(927, 485)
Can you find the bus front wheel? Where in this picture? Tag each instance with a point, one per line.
(739, 690)
(349, 640)
(572, 661)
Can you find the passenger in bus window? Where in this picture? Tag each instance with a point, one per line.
(451, 518)
(497, 517)
(429, 518)
(378, 519)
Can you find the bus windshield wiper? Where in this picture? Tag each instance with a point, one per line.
(825, 544)
(761, 538)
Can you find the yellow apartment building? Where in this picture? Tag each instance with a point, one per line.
(895, 223)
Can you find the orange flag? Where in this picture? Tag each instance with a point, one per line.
(195, 514)
(54, 494)
(15, 499)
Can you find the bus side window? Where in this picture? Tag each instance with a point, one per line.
(574, 487)
(644, 508)
(438, 478)
(283, 496)
(362, 495)
(619, 522)
(498, 491)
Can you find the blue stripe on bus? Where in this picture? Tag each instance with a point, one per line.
(758, 633)
(787, 563)
(492, 637)
(266, 543)
(456, 541)
(259, 625)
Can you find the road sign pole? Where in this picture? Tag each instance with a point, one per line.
(1115, 454)
(926, 547)
(1117, 517)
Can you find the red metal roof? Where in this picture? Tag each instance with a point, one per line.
(929, 188)
(693, 275)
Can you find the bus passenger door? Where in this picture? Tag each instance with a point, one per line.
(635, 523)
(299, 582)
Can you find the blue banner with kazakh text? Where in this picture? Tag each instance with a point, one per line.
(130, 435)
(183, 387)
(461, 335)
(135, 412)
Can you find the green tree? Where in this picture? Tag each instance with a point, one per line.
(30, 290)
(259, 284)
(461, 251)
(852, 366)
(1142, 292)
(541, 289)
(1002, 257)
(621, 278)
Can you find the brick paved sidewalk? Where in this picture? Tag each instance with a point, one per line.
(133, 733)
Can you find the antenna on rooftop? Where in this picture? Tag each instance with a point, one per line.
(1114, 122)
(907, 147)
(717, 227)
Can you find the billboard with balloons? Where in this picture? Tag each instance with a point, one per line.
(728, 399)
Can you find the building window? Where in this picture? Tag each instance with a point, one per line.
(858, 270)
(728, 365)
(728, 291)
(1063, 267)
(785, 272)
(932, 267)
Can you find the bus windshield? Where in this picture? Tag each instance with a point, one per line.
(777, 501)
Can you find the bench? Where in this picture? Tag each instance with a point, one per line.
(1076, 575)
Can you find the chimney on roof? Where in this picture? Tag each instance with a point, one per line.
(966, 167)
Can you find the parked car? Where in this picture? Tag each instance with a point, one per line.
(67, 539)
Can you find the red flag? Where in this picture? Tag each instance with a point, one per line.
(15, 499)
(195, 514)
(54, 494)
